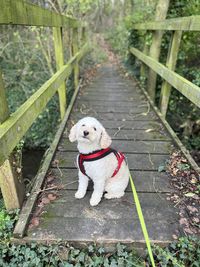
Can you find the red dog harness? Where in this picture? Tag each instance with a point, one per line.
(99, 154)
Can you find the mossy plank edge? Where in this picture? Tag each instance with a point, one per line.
(14, 128)
(190, 23)
(187, 88)
(175, 138)
(19, 12)
(26, 210)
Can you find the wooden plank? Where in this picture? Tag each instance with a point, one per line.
(78, 222)
(111, 98)
(135, 109)
(117, 103)
(14, 128)
(145, 181)
(154, 50)
(20, 12)
(130, 125)
(136, 161)
(188, 89)
(135, 135)
(11, 182)
(116, 116)
(171, 63)
(127, 146)
(26, 211)
(58, 46)
(190, 23)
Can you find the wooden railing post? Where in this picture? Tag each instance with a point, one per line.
(75, 50)
(171, 64)
(154, 52)
(11, 183)
(58, 45)
(143, 68)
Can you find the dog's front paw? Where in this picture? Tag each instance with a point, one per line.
(79, 195)
(94, 201)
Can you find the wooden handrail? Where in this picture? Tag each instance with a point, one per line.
(190, 23)
(14, 127)
(19, 12)
(188, 89)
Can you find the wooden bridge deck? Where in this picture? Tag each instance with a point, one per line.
(137, 131)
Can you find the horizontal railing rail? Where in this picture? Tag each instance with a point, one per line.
(19, 12)
(150, 66)
(187, 88)
(191, 23)
(13, 127)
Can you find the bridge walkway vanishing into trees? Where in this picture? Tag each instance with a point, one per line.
(138, 128)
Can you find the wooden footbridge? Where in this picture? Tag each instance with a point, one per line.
(127, 111)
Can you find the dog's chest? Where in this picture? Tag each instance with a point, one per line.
(101, 168)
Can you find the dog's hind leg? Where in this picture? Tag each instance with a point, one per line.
(111, 194)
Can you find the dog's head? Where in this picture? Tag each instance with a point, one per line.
(90, 130)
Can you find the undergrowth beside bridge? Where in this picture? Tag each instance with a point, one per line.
(184, 252)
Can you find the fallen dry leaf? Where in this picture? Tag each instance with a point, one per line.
(35, 221)
(45, 200)
(51, 197)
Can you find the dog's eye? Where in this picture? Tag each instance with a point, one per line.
(95, 129)
(83, 125)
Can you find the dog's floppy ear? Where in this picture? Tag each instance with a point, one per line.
(105, 139)
(72, 134)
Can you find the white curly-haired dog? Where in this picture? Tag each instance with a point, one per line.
(106, 167)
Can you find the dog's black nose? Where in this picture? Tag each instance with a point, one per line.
(85, 133)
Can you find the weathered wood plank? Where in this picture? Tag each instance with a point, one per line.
(135, 135)
(171, 63)
(129, 125)
(116, 103)
(149, 182)
(20, 12)
(135, 109)
(127, 146)
(83, 223)
(188, 89)
(110, 97)
(136, 161)
(116, 116)
(58, 46)
(11, 182)
(14, 128)
(190, 23)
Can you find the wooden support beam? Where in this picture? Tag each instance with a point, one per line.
(74, 50)
(154, 52)
(187, 88)
(11, 183)
(190, 23)
(171, 63)
(58, 46)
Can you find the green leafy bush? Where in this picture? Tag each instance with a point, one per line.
(184, 252)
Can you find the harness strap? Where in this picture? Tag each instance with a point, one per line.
(98, 155)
